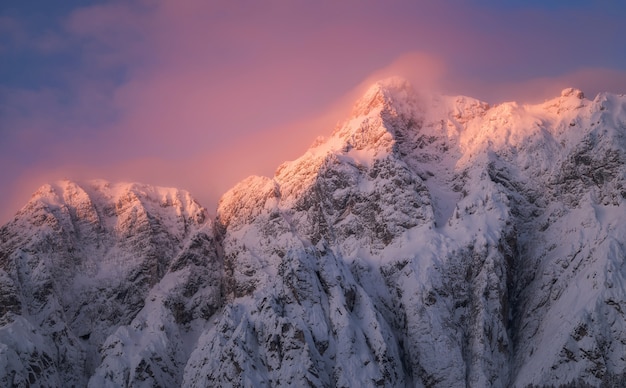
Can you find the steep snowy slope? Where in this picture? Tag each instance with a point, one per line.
(76, 266)
(343, 245)
(429, 241)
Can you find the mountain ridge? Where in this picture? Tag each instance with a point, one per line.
(428, 241)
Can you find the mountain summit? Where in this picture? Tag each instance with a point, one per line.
(429, 241)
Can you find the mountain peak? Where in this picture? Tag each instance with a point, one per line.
(388, 93)
(569, 92)
(90, 194)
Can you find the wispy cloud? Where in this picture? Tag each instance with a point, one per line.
(201, 94)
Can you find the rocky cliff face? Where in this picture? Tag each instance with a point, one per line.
(81, 273)
(429, 241)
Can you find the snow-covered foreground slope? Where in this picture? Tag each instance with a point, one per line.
(430, 241)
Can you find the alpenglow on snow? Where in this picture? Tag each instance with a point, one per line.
(430, 241)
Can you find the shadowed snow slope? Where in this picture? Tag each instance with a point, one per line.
(429, 241)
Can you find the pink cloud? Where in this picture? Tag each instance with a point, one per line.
(210, 92)
(208, 174)
(534, 90)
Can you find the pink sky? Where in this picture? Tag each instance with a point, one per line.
(199, 95)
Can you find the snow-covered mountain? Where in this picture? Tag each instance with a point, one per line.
(430, 241)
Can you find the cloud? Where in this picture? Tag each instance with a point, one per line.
(210, 169)
(538, 89)
(201, 94)
(12, 33)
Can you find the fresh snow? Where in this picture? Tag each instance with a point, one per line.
(428, 241)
